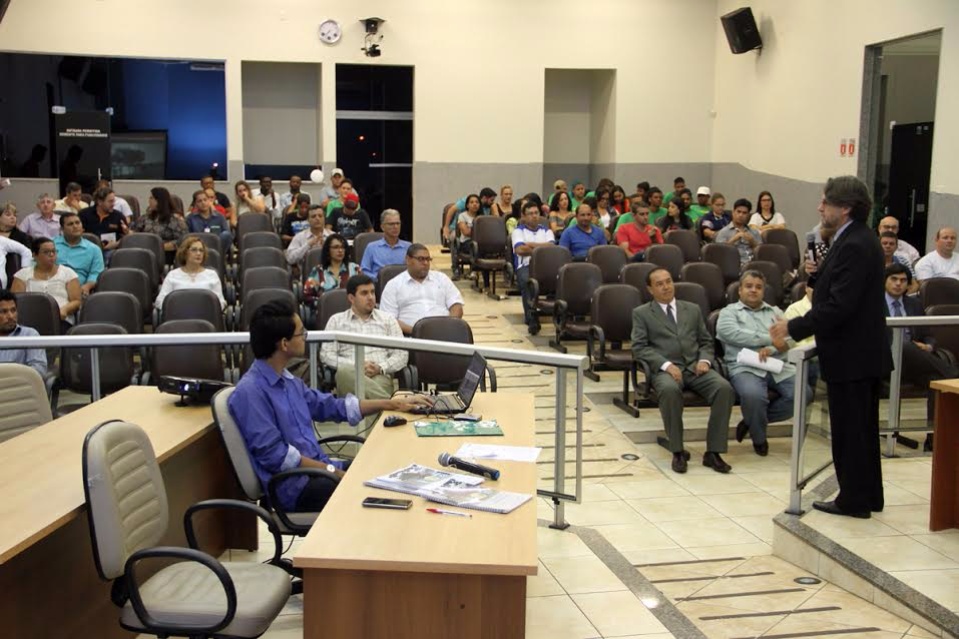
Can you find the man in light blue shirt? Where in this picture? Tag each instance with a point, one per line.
(583, 235)
(35, 358)
(388, 250)
(745, 324)
(83, 256)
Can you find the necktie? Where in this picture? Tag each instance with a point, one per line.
(669, 314)
(896, 308)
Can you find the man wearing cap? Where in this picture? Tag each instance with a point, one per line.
(345, 188)
(331, 191)
(349, 220)
(701, 207)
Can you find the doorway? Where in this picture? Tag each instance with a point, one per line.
(901, 80)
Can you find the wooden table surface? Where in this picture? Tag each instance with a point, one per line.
(349, 536)
(945, 385)
(41, 469)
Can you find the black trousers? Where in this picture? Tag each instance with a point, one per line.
(316, 493)
(920, 367)
(854, 418)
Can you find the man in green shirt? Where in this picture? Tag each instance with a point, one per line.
(656, 209)
(701, 207)
(344, 189)
(679, 184)
(579, 194)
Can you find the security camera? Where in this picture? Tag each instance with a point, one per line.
(373, 51)
(372, 24)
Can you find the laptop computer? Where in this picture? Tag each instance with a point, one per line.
(451, 404)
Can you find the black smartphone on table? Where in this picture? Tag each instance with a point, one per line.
(394, 504)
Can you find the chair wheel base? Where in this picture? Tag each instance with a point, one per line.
(626, 406)
(591, 375)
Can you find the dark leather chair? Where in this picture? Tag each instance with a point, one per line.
(94, 239)
(134, 203)
(252, 223)
(260, 256)
(688, 243)
(215, 261)
(947, 337)
(264, 277)
(788, 239)
(129, 280)
(329, 304)
(574, 290)
(726, 257)
(667, 256)
(251, 302)
(177, 203)
(149, 241)
(610, 259)
(695, 293)
(361, 241)
(210, 240)
(13, 265)
(635, 276)
(938, 291)
(113, 307)
(312, 259)
(116, 362)
(385, 274)
(138, 258)
(777, 254)
(797, 292)
(41, 312)
(192, 304)
(710, 278)
(194, 360)
(544, 265)
(607, 345)
(444, 371)
(774, 280)
(255, 239)
(489, 251)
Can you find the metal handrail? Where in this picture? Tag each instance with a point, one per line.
(562, 363)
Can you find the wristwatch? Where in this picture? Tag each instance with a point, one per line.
(330, 468)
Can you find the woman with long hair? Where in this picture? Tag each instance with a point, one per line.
(618, 199)
(163, 221)
(675, 218)
(766, 217)
(504, 207)
(333, 271)
(560, 213)
(246, 202)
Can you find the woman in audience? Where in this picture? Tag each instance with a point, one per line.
(604, 215)
(334, 269)
(766, 217)
(464, 231)
(8, 226)
(246, 202)
(618, 199)
(46, 276)
(191, 256)
(675, 218)
(162, 220)
(714, 221)
(560, 213)
(504, 207)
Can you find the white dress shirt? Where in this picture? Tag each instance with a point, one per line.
(300, 245)
(408, 300)
(10, 246)
(908, 252)
(178, 278)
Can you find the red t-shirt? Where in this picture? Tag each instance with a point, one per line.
(638, 240)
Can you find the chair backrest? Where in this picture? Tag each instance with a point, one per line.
(610, 259)
(489, 233)
(329, 304)
(264, 277)
(23, 396)
(138, 258)
(939, 290)
(798, 292)
(113, 307)
(787, 238)
(434, 368)
(129, 280)
(251, 302)
(193, 303)
(39, 311)
(251, 223)
(544, 265)
(726, 257)
(711, 322)
(946, 337)
(210, 240)
(13, 265)
(116, 362)
(688, 243)
(256, 239)
(215, 261)
(134, 203)
(575, 285)
(126, 500)
(193, 360)
(710, 278)
(149, 241)
(612, 310)
(667, 256)
(313, 258)
(635, 276)
(776, 253)
(262, 256)
(695, 293)
(235, 445)
(177, 203)
(387, 273)
(93, 238)
(774, 280)
(360, 242)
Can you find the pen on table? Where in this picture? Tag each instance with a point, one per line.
(439, 511)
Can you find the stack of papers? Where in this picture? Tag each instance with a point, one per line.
(499, 453)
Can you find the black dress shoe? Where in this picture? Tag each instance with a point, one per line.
(927, 445)
(686, 455)
(742, 429)
(714, 461)
(832, 508)
(679, 462)
(534, 328)
(761, 449)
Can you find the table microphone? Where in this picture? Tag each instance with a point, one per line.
(446, 459)
(811, 246)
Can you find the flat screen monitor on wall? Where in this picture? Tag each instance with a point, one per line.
(139, 155)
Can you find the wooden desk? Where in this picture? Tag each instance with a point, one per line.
(371, 573)
(47, 576)
(944, 501)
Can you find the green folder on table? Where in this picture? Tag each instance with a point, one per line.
(453, 428)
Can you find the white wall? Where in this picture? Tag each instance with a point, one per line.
(281, 113)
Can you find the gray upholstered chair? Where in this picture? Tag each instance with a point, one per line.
(197, 596)
(23, 395)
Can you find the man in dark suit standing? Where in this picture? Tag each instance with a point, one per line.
(670, 335)
(847, 320)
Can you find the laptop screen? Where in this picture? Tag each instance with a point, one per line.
(474, 373)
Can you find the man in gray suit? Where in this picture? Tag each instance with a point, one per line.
(670, 335)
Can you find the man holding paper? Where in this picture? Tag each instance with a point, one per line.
(755, 361)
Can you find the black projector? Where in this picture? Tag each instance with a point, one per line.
(191, 390)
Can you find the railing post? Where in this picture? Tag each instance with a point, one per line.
(895, 383)
(359, 359)
(798, 437)
(95, 374)
(314, 364)
(579, 435)
(559, 462)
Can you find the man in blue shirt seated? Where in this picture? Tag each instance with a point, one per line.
(388, 250)
(583, 235)
(80, 254)
(35, 358)
(275, 411)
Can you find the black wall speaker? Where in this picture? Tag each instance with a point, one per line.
(3, 7)
(741, 30)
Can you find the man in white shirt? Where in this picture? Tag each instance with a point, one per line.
(332, 190)
(528, 235)
(270, 198)
(905, 250)
(71, 199)
(309, 238)
(943, 262)
(365, 319)
(45, 222)
(420, 292)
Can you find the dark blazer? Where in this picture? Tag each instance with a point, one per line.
(912, 307)
(848, 310)
(656, 340)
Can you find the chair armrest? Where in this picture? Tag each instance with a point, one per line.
(595, 333)
(492, 378)
(945, 355)
(210, 504)
(559, 316)
(185, 554)
(342, 438)
(647, 390)
(532, 285)
(274, 483)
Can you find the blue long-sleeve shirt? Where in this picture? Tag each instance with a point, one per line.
(275, 415)
(579, 241)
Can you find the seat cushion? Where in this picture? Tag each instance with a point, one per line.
(620, 360)
(188, 593)
(300, 519)
(576, 329)
(491, 264)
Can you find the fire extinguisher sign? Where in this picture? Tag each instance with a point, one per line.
(843, 147)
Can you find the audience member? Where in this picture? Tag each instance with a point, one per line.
(942, 262)
(246, 202)
(364, 318)
(637, 236)
(715, 220)
(420, 292)
(45, 222)
(487, 197)
(504, 207)
(297, 219)
(600, 206)
(642, 188)
(332, 190)
(344, 190)
(271, 201)
(701, 207)
(464, 233)
(561, 212)
(889, 242)
(8, 226)
(679, 184)
(46, 276)
(745, 325)
(349, 220)
(333, 271)
(670, 336)
(389, 249)
(207, 183)
(289, 200)
(275, 411)
(798, 309)
(120, 203)
(675, 218)
(162, 220)
(738, 234)
(79, 253)
(905, 250)
(529, 235)
(656, 209)
(583, 235)
(8, 246)
(205, 219)
(576, 197)
(35, 358)
(311, 237)
(103, 220)
(72, 199)
(618, 200)
(766, 216)
(192, 272)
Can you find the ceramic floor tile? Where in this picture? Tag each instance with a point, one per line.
(801, 625)
(909, 520)
(663, 555)
(618, 613)
(939, 585)
(598, 492)
(918, 632)
(753, 602)
(834, 526)
(854, 611)
(559, 543)
(579, 575)
(665, 509)
(893, 495)
(714, 485)
(756, 549)
(644, 536)
(745, 505)
(898, 553)
(648, 489)
(601, 512)
(717, 531)
(543, 584)
(725, 628)
(556, 618)
(761, 526)
(285, 627)
(946, 542)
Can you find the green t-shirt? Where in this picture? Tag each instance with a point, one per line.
(696, 212)
(332, 206)
(668, 197)
(655, 215)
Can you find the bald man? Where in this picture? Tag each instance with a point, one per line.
(905, 250)
(944, 261)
